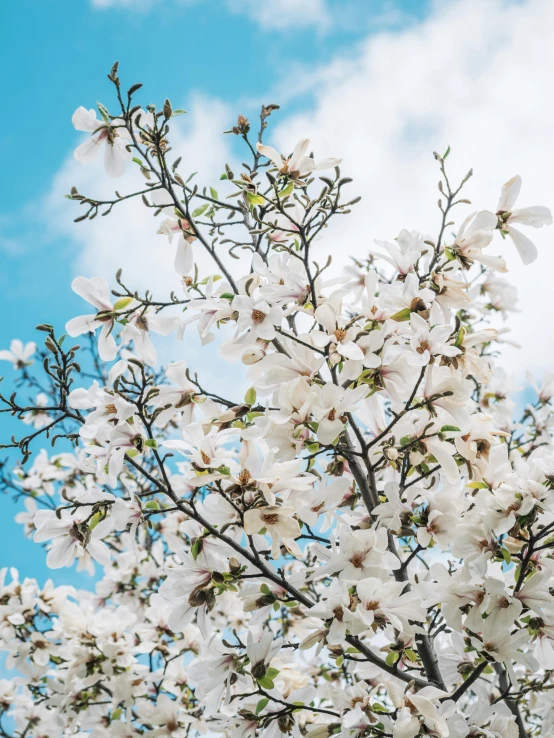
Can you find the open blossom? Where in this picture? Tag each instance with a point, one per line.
(279, 523)
(139, 327)
(37, 417)
(404, 253)
(175, 224)
(474, 235)
(426, 343)
(71, 537)
(336, 333)
(535, 216)
(97, 292)
(330, 406)
(257, 316)
(111, 135)
(299, 164)
(19, 354)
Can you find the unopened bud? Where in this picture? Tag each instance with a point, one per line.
(259, 670)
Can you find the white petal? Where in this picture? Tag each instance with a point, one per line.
(298, 155)
(271, 153)
(107, 347)
(327, 164)
(82, 324)
(115, 156)
(62, 553)
(350, 350)
(526, 248)
(325, 315)
(328, 430)
(535, 216)
(183, 257)
(509, 194)
(99, 552)
(95, 290)
(85, 120)
(86, 152)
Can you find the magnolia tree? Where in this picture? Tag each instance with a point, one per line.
(361, 545)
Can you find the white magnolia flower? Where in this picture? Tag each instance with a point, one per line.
(298, 165)
(111, 135)
(475, 234)
(280, 524)
(72, 537)
(331, 404)
(97, 292)
(257, 316)
(337, 333)
(535, 216)
(38, 418)
(19, 354)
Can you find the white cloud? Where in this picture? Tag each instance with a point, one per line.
(268, 14)
(475, 75)
(283, 14)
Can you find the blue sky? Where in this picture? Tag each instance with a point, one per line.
(381, 83)
(54, 56)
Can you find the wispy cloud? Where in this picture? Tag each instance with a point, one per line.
(284, 14)
(269, 15)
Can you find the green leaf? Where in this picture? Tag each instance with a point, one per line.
(123, 303)
(446, 153)
(261, 704)
(272, 672)
(214, 194)
(151, 443)
(392, 658)
(286, 191)
(254, 199)
(223, 176)
(103, 112)
(152, 505)
(250, 396)
(506, 555)
(137, 161)
(477, 485)
(179, 111)
(200, 210)
(378, 707)
(197, 548)
(411, 654)
(96, 518)
(266, 683)
(449, 429)
(401, 315)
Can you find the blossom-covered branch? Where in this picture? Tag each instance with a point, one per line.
(361, 544)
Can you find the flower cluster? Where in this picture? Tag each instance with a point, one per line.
(361, 545)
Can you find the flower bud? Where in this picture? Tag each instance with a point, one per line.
(259, 670)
